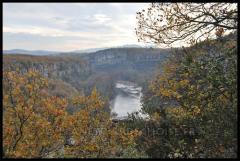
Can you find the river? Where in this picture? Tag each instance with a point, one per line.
(127, 99)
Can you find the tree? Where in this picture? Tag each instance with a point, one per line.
(94, 133)
(169, 23)
(197, 89)
(196, 98)
(31, 118)
(36, 124)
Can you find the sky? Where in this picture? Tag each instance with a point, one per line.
(69, 26)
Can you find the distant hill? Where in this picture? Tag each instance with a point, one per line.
(30, 52)
(74, 52)
(87, 50)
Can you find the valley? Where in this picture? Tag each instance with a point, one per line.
(120, 80)
(101, 69)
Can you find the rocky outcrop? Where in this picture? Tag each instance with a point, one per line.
(50, 66)
(126, 58)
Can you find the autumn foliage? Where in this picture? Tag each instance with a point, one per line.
(195, 98)
(36, 124)
(195, 95)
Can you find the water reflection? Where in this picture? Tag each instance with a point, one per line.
(127, 99)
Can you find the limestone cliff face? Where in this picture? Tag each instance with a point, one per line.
(64, 68)
(126, 58)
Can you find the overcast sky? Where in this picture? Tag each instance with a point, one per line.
(69, 26)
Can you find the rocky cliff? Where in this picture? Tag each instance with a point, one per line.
(126, 58)
(50, 66)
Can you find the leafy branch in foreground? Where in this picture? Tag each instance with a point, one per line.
(169, 23)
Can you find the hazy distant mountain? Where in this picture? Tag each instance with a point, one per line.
(129, 46)
(88, 50)
(47, 52)
(30, 52)
(91, 50)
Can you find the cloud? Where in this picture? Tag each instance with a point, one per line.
(52, 32)
(101, 18)
(76, 25)
(35, 30)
